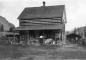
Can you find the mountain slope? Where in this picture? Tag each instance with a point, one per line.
(6, 25)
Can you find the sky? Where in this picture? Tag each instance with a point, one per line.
(75, 10)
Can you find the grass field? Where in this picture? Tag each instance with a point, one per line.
(39, 53)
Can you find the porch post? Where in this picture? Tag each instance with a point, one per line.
(63, 35)
(14, 37)
(28, 38)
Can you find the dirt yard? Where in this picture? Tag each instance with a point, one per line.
(67, 52)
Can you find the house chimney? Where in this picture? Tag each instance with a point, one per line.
(43, 3)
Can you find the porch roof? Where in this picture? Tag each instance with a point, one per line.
(41, 27)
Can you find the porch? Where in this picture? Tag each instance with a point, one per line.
(46, 37)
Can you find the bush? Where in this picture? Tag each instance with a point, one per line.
(84, 42)
(4, 40)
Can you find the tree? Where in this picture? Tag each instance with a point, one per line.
(2, 28)
(11, 29)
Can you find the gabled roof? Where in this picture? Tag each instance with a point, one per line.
(42, 12)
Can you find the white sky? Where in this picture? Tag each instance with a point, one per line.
(75, 10)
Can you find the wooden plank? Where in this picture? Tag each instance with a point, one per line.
(41, 27)
(52, 18)
(27, 24)
(41, 20)
(38, 22)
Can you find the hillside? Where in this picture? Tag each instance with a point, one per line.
(6, 25)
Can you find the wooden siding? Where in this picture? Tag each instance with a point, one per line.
(40, 22)
(34, 24)
(41, 27)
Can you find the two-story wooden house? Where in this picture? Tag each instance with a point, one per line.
(47, 21)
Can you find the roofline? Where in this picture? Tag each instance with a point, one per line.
(40, 18)
(45, 6)
(40, 7)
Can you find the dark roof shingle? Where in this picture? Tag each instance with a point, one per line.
(42, 12)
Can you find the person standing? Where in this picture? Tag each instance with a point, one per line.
(41, 40)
